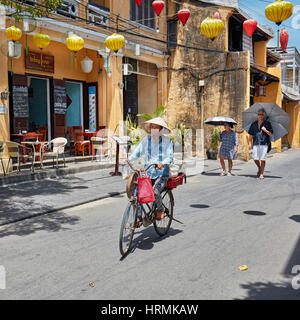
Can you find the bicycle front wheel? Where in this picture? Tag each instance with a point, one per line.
(162, 226)
(127, 228)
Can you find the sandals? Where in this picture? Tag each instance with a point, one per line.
(222, 173)
(229, 174)
(261, 177)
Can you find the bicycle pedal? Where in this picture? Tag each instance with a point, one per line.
(147, 221)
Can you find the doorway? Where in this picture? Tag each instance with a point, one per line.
(74, 115)
(39, 104)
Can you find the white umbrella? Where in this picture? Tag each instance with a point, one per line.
(220, 120)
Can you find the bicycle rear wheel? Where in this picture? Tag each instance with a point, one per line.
(162, 226)
(127, 229)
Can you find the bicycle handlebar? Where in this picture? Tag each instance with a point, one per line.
(134, 169)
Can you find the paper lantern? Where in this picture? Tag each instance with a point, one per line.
(250, 26)
(87, 64)
(41, 40)
(284, 39)
(211, 27)
(115, 42)
(74, 42)
(279, 11)
(13, 33)
(138, 2)
(183, 15)
(158, 6)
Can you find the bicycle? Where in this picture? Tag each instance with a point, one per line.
(135, 212)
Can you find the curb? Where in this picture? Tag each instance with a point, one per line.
(50, 173)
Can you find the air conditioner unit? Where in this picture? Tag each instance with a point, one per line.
(68, 8)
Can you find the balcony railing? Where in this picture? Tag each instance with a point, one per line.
(98, 16)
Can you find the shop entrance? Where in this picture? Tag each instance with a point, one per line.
(39, 105)
(74, 115)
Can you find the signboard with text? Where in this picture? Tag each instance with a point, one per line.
(39, 61)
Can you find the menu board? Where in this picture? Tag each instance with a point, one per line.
(20, 101)
(60, 100)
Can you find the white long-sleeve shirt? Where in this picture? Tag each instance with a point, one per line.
(151, 149)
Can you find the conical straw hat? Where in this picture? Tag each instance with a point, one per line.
(158, 121)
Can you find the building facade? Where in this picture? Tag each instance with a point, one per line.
(49, 87)
(219, 77)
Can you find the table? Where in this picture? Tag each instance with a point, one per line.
(90, 134)
(20, 137)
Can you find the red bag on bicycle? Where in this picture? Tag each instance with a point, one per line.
(145, 189)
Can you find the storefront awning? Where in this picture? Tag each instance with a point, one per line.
(262, 75)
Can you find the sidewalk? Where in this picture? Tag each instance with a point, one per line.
(57, 192)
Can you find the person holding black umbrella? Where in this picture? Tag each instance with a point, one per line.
(260, 132)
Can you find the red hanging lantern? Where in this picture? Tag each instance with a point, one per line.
(158, 6)
(138, 2)
(183, 15)
(284, 39)
(217, 15)
(250, 26)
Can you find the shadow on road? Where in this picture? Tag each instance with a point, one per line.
(270, 291)
(211, 174)
(148, 237)
(46, 222)
(255, 213)
(255, 176)
(296, 218)
(199, 206)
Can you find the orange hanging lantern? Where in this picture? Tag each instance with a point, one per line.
(115, 42)
(74, 43)
(212, 27)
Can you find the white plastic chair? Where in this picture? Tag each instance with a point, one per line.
(58, 147)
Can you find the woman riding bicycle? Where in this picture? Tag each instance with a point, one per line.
(158, 150)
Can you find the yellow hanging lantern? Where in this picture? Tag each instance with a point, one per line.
(279, 11)
(41, 40)
(74, 43)
(13, 33)
(212, 27)
(115, 42)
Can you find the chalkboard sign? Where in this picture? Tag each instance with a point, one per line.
(20, 101)
(60, 100)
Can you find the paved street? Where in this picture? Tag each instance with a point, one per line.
(228, 222)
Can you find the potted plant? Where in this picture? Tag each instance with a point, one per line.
(212, 152)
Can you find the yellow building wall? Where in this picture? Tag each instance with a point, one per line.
(292, 108)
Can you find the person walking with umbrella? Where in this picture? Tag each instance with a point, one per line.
(229, 148)
(260, 132)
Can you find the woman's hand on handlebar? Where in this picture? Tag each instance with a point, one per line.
(159, 166)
